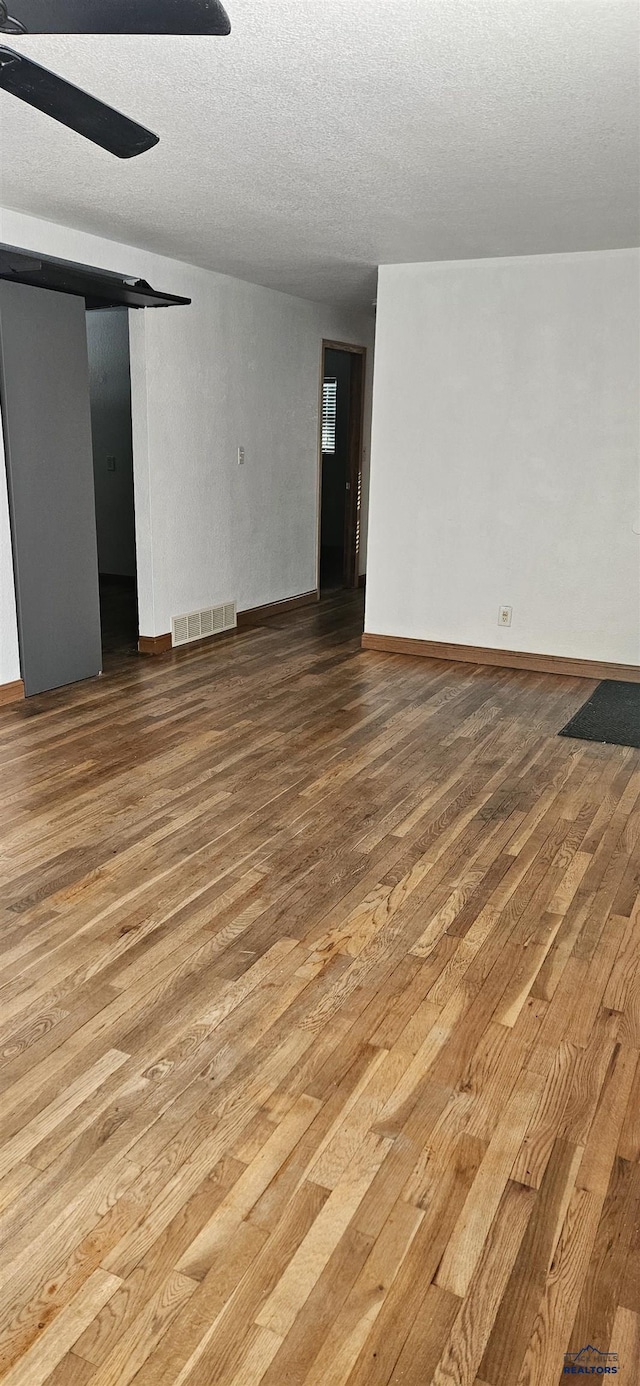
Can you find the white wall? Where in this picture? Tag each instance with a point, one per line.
(505, 454)
(240, 366)
(110, 386)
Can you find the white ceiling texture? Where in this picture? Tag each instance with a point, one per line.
(325, 137)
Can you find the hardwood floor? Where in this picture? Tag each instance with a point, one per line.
(320, 1023)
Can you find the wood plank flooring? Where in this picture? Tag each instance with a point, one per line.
(320, 1023)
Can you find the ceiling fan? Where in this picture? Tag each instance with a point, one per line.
(81, 112)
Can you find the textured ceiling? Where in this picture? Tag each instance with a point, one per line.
(328, 136)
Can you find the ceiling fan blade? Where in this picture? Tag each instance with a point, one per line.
(73, 107)
(120, 16)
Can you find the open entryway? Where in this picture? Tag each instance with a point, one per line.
(343, 374)
(110, 400)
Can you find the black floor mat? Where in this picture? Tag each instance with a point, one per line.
(611, 714)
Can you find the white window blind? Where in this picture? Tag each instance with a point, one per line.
(329, 394)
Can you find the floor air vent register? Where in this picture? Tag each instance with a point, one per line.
(198, 625)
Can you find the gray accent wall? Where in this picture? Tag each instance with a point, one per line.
(44, 389)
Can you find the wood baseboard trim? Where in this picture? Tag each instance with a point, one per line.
(160, 644)
(505, 659)
(257, 614)
(11, 692)
(154, 644)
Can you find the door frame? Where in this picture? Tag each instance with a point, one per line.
(354, 463)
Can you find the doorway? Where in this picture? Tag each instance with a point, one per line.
(341, 425)
(110, 402)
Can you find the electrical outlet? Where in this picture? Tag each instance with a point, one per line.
(504, 616)
(241, 457)
(111, 464)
